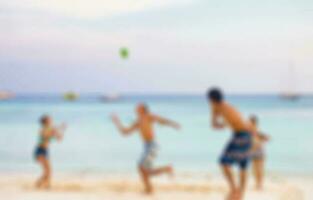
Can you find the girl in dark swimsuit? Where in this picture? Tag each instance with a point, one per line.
(47, 133)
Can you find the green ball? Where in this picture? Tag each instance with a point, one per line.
(124, 53)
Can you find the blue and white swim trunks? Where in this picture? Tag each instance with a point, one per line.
(238, 150)
(149, 155)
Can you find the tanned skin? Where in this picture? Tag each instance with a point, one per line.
(144, 125)
(47, 131)
(225, 115)
(258, 164)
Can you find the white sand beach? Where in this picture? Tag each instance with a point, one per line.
(183, 187)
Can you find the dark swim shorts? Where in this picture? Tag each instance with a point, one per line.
(40, 151)
(238, 150)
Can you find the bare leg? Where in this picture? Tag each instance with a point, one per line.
(258, 170)
(44, 180)
(145, 176)
(161, 170)
(230, 180)
(47, 175)
(243, 182)
(39, 182)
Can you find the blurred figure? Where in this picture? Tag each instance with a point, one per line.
(144, 124)
(47, 133)
(237, 150)
(258, 156)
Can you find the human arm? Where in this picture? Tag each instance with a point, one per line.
(264, 137)
(166, 122)
(216, 120)
(121, 128)
(58, 132)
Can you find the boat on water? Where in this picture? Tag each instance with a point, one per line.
(290, 94)
(110, 98)
(5, 95)
(70, 96)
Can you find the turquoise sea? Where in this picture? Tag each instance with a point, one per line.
(92, 144)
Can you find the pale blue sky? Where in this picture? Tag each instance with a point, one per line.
(179, 46)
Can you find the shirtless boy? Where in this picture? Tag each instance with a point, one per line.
(237, 150)
(144, 124)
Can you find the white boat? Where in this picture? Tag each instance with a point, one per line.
(290, 93)
(110, 98)
(290, 96)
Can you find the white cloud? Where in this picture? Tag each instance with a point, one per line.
(90, 9)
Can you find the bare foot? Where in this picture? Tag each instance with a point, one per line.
(230, 195)
(46, 185)
(148, 191)
(258, 187)
(38, 184)
(237, 195)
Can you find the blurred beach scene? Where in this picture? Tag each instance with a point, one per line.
(92, 144)
(93, 157)
(75, 74)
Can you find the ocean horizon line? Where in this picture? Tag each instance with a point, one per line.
(98, 94)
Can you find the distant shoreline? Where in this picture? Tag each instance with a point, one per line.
(163, 96)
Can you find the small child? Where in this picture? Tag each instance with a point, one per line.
(144, 124)
(47, 133)
(257, 153)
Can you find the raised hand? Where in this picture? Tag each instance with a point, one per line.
(115, 118)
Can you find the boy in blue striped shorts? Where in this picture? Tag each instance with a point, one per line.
(238, 149)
